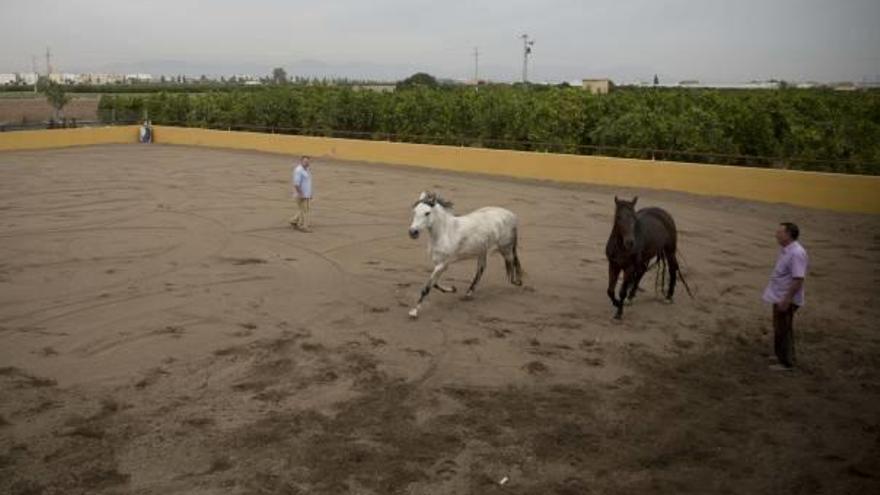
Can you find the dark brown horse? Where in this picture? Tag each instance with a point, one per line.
(637, 239)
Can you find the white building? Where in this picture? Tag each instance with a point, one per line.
(99, 78)
(8, 78)
(598, 86)
(141, 78)
(28, 77)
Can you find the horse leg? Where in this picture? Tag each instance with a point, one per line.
(673, 276)
(432, 282)
(640, 272)
(481, 267)
(613, 274)
(629, 276)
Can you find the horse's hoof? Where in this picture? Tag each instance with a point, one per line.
(453, 289)
(629, 302)
(468, 296)
(413, 313)
(668, 300)
(517, 283)
(618, 317)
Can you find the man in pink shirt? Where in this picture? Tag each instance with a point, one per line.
(786, 292)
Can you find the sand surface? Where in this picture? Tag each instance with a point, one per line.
(162, 330)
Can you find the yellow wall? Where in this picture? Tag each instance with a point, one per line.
(58, 138)
(818, 190)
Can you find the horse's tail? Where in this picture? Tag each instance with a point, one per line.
(514, 268)
(660, 277)
(683, 281)
(662, 263)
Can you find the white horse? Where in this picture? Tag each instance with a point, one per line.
(454, 238)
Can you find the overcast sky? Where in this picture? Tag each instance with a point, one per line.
(627, 40)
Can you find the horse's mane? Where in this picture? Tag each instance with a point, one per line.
(431, 199)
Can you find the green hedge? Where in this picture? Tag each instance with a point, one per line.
(800, 129)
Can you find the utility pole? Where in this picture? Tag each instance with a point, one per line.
(34, 68)
(476, 65)
(527, 50)
(48, 62)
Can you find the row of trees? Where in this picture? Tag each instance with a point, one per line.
(803, 129)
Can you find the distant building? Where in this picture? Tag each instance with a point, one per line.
(139, 78)
(244, 77)
(8, 79)
(63, 78)
(598, 86)
(99, 78)
(844, 86)
(378, 88)
(749, 85)
(28, 77)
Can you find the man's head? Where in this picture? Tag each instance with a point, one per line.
(306, 161)
(787, 233)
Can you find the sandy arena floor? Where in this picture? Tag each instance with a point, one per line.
(162, 330)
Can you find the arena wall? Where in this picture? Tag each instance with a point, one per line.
(851, 193)
(59, 138)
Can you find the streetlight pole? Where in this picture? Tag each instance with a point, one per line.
(527, 50)
(476, 65)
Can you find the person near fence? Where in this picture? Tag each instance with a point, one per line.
(786, 293)
(146, 132)
(302, 190)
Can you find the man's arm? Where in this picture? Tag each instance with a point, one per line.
(297, 180)
(798, 272)
(796, 285)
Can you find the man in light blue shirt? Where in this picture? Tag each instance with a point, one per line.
(302, 189)
(786, 292)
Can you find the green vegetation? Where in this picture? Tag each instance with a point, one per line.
(791, 128)
(56, 95)
(418, 79)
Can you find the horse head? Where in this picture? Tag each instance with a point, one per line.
(422, 209)
(625, 221)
